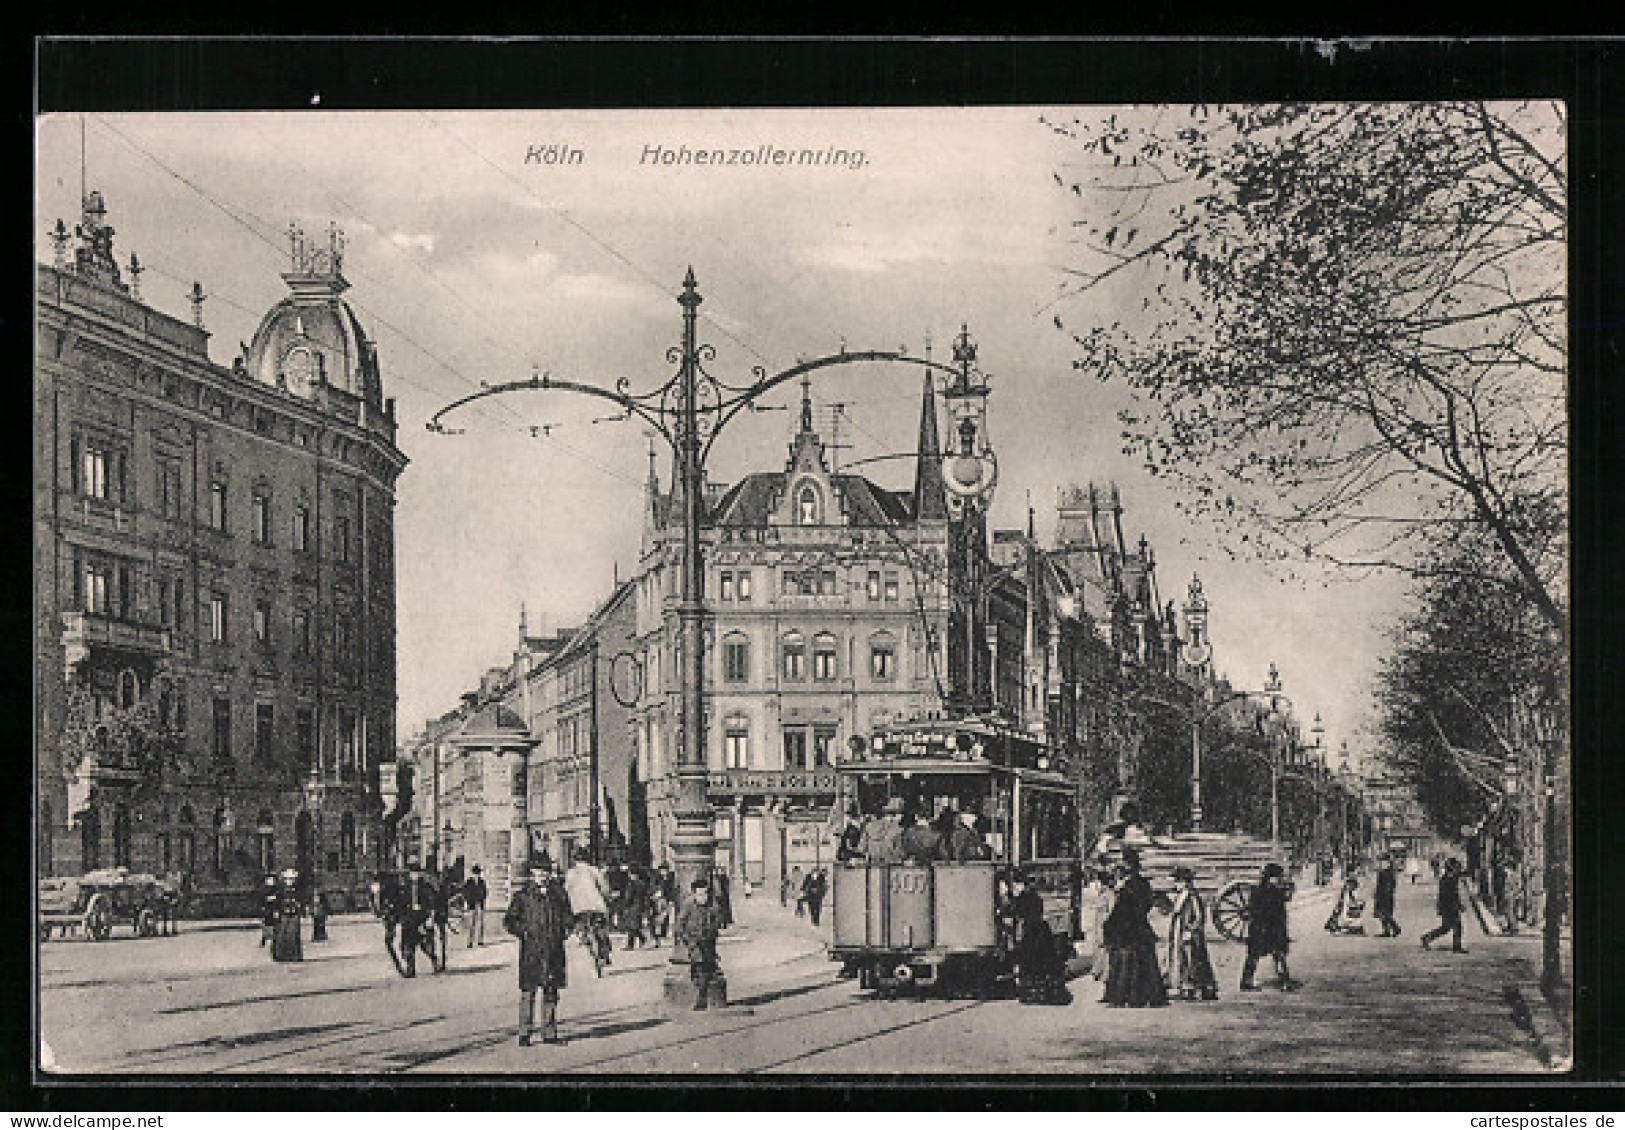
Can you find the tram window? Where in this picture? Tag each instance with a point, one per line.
(1049, 826)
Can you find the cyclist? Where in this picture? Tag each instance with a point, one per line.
(588, 892)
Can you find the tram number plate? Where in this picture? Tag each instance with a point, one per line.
(910, 883)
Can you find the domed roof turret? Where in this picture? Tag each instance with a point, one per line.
(312, 337)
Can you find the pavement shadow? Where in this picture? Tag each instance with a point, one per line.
(265, 999)
(779, 994)
(604, 1031)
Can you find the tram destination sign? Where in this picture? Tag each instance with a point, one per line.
(774, 781)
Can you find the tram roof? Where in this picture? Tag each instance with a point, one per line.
(950, 766)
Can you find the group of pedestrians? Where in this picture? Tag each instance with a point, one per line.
(809, 891)
(1346, 914)
(549, 908)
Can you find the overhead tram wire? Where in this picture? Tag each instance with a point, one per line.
(599, 241)
(432, 276)
(280, 250)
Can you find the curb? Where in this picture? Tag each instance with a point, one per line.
(1532, 1012)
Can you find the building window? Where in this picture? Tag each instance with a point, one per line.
(883, 658)
(260, 518)
(217, 617)
(93, 472)
(726, 589)
(301, 528)
(795, 747)
(345, 721)
(222, 728)
(344, 643)
(301, 632)
(304, 729)
(222, 841)
(826, 582)
(824, 657)
(98, 582)
(823, 746)
(347, 841)
(795, 656)
(807, 506)
(735, 659)
(217, 506)
(262, 623)
(873, 587)
(744, 586)
(166, 610)
(264, 732)
(341, 538)
(169, 488)
(265, 840)
(187, 842)
(736, 743)
(182, 621)
(891, 587)
(90, 839)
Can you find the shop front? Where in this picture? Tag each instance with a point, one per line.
(770, 822)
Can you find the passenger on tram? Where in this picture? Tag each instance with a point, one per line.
(881, 835)
(920, 842)
(965, 843)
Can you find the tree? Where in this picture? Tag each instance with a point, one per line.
(1345, 324)
(1455, 694)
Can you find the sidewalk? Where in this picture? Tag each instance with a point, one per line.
(1549, 1021)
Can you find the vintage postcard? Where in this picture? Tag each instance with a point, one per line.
(1039, 589)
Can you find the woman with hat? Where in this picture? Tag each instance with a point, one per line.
(1040, 962)
(1266, 928)
(1190, 972)
(1133, 977)
(286, 944)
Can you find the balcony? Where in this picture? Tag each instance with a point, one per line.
(83, 632)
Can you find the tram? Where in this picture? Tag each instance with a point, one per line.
(936, 926)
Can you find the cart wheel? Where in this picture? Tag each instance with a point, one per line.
(146, 925)
(99, 919)
(1230, 910)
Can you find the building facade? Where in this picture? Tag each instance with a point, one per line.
(214, 579)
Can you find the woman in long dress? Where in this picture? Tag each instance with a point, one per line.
(286, 944)
(1190, 971)
(1133, 978)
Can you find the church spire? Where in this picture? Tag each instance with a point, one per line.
(930, 500)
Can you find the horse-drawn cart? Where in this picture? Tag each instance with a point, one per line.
(90, 905)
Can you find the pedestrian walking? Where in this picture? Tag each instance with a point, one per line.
(1449, 905)
(722, 895)
(268, 904)
(318, 916)
(416, 914)
(798, 883)
(817, 885)
(698, 925)
(1040, 962)
(1096, 905)
(1348, 910)
(475, 892)
(1382, 897)
(1190, 970)
(588, 893)
(445, 885)
(1133, 977)
(540, 918)
(659, 910)
(286, 943)
(635, 908)
(1266, 929)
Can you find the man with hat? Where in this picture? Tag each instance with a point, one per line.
(475, 892)
(286, 943)
(697, 928)
(1266, 928)
(539, 917)
(1449, 908)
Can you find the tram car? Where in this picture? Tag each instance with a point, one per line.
(937, 926)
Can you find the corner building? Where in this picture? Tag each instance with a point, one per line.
(214, 581)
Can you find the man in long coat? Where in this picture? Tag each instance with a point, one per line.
(1449, 908)
(540, 918)
(286, 944)
(1382, 898)
(1266, 928)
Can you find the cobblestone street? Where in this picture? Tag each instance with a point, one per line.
(211, 1001)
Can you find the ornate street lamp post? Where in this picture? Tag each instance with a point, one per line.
(688, 411)
(1548, 733)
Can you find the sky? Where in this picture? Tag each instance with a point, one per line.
(472, 258)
